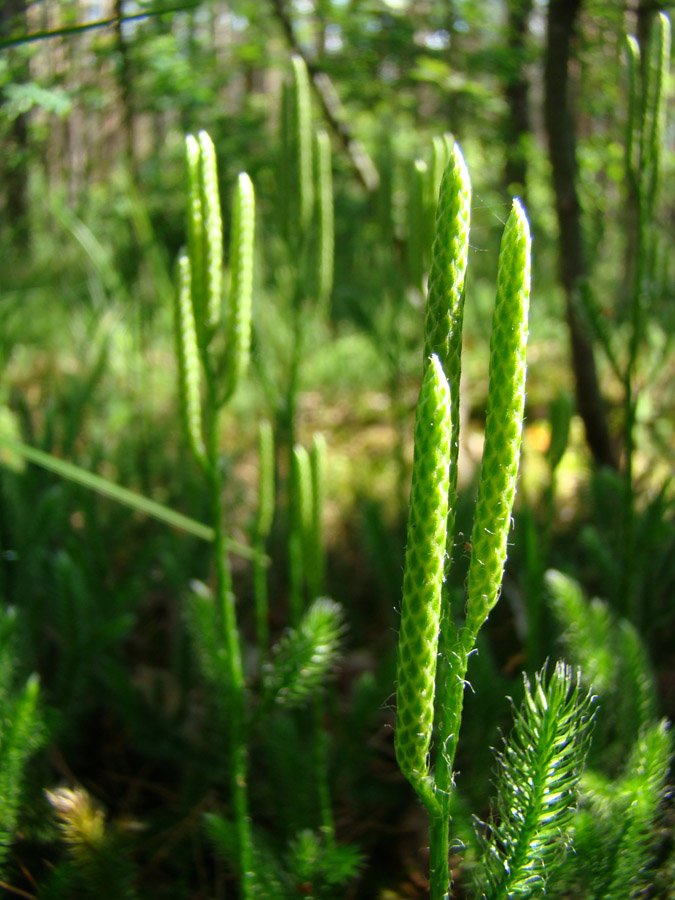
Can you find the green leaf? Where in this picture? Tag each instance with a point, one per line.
(22, 98)
(537, 780)
(305, 656)
(121, 495)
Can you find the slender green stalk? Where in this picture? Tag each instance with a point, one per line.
(116, 492)
(321, 743)
(301, 202)
(315, 554)
(315, 565)
(263, 525)
(643, 170)
(226, 615)
(299, 540)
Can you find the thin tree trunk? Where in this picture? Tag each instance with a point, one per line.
(562, 17)
(517, 97)
(126, 90)
(14, 168)
(646, 12)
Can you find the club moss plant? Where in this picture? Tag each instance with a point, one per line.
(198, 312)
(434, 648)
(292, 673)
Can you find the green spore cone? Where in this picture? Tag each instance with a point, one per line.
(655, 94)
(324, 196)
(416, 223)
(445, 302)
(440, 155)
(632, 49)
(302, 501)
(302, 121)
(195, 228)
(286, 167)
(503, 426)
(188, 362)
(423, 577)
(241, 283)
(213, 231)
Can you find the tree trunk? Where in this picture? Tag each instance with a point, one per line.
(331, 106)
(517, 92)
(646, 12)
(562, 16)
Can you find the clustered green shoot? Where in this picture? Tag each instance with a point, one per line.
(22, 731)
(549, 743)
(199, 309)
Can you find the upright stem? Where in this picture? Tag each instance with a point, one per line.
(321, 771)
(227, 621)
(261, 606)
(289, 433)
(439, 849)
(294, 375)
(630, 407)
(450, 676)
